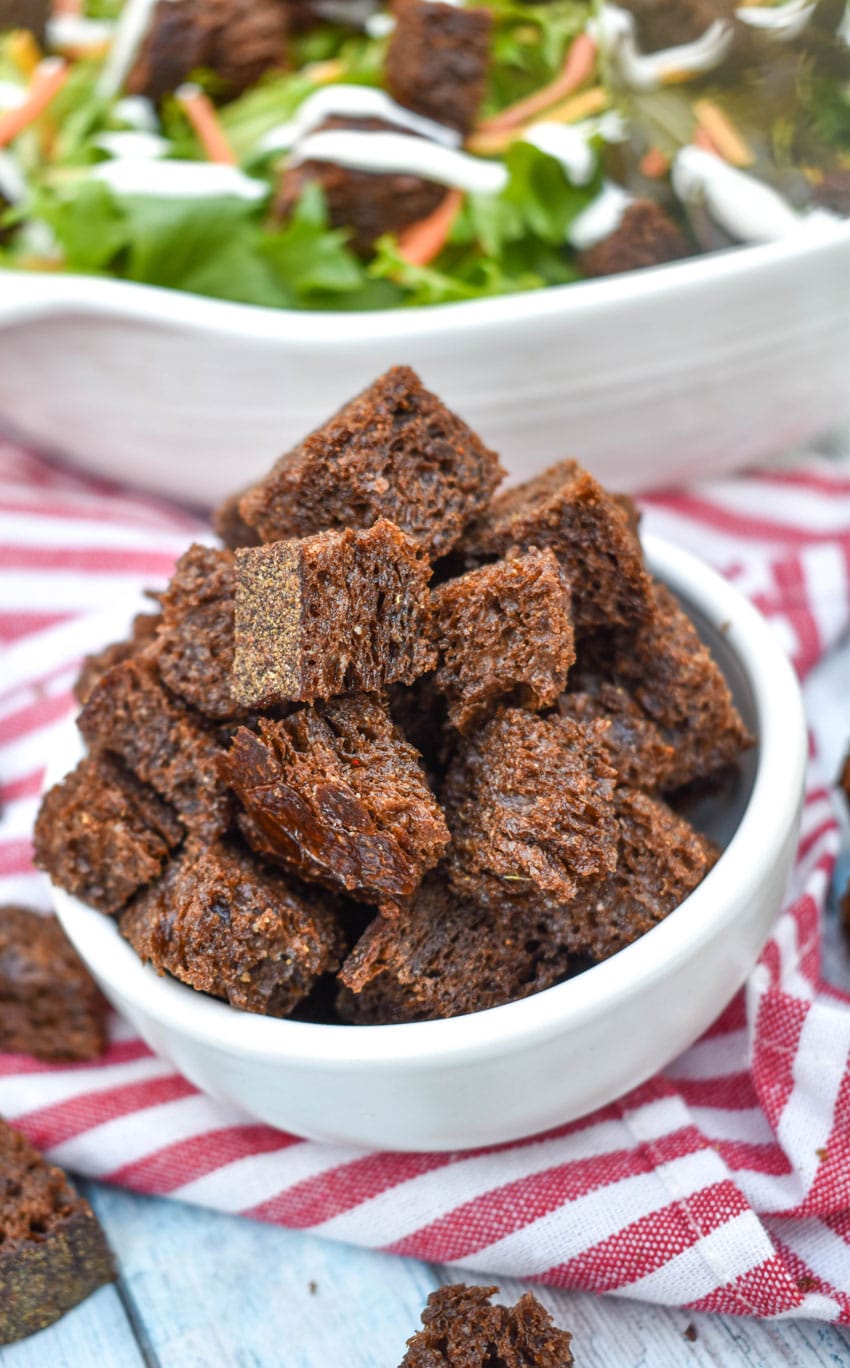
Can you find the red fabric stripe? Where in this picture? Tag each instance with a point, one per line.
(171, 1167)
(341, 1189)
(15, 857)
(41, 713)
(645, 1245)
(122, 1052)
(16, 626)
(767, 1290)
(46, 1127)
(95, 561)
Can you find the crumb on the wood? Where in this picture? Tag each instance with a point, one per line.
(822, 1154)
(807, 1283)
(312, 1287)
(690, 1333)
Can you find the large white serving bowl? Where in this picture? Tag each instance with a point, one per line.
(654, 377)
(514, 1070)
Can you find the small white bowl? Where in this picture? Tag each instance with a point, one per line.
(655, 377)
(515, 1070)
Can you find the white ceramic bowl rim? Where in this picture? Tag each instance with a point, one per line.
(780, 764)
(23, 293)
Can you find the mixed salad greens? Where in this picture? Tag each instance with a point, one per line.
(773, 124)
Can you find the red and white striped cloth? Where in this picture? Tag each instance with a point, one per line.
(721, 1185)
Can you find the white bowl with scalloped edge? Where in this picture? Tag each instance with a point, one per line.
(515, 1070)
(658, 376)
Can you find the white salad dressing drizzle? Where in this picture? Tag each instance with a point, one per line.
(137, 111)
(11, 95)
(601, 218)
(615, 31)
(743, 206)
(66, 31)
(13, 187)
(177, 179)
(401, 154)
(351, 102)
(379, 25)
(568, 145)
(129, 33)
(782, 22)
(133, 146)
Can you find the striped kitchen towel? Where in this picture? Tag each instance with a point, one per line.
(723, 1184)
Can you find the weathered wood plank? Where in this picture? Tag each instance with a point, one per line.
(210, 1289)
(96, 1332)
(614, 1333)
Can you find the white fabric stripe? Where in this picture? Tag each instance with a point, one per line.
(586, 1221)
(36, 531)
(41, 653)
(720, 1123)
(21, 1093)
(814, 1306)
(805, 510)
(766, 1192)
(31, 890)
(392, 1215)
(785, 939)
(825, 574)
(125, 1139)
(820, 1063)
(18, 818)
(257, 1178)
(23, 757)
(825, 1253)
(51, 591)
(712, 1058)
(716, 1259)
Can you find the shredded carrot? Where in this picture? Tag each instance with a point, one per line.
(201, 114)
(24, 52)
(422, 241)
(654, 164)
(48, 79)
(72, 7)
(724, 135)
(324, 73)
(581, 106)
(578, 68)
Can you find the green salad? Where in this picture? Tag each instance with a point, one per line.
(339, 154)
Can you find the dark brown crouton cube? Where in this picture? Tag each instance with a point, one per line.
(95, 666)
(660, 860)
(50, 1005)
(529, 806)
(678, 684)
(419, 711)
(437, 60)
(588, 530)
(101, 834)
(130, 713)
(393, 452)
(670, 23)
(505, 635)
(226, 925)
(237, 39)
(329, 614)
(636, 748)
(229, 524)
(336, 794)
(193, 649)
(463, 1330)
(644, 237)
(367, 203)
(443, 957)
(53, 1253)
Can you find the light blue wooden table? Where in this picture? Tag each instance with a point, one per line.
(199, 1290)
